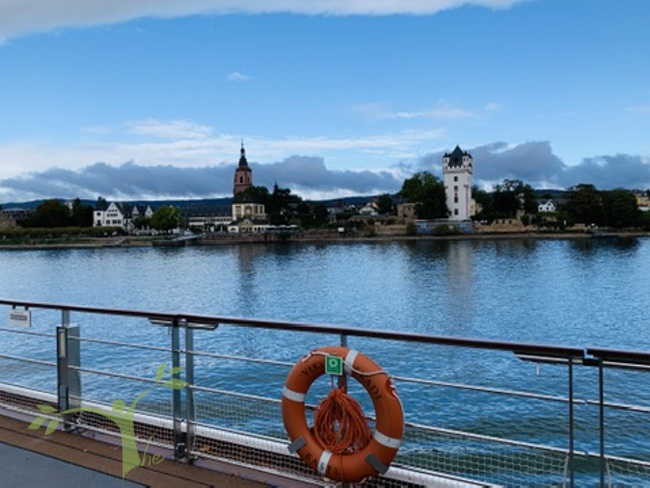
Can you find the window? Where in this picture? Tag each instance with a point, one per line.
(455, 211)
(455, 178)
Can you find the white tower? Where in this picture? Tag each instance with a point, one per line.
(457, 168)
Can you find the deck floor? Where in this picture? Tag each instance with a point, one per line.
(31, 459)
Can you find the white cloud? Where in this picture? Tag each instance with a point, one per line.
(96, 129)
(238, 77)
(19, 17)
(176, 129)
(442, 110)
(639, 109)
(493, 107)
(184, 144)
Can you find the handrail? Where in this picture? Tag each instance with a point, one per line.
(181, 319)
(183, 408)
(618, 356)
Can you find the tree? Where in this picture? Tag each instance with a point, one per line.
(484, 202)
(49, 214)
(141, 222)
(166, 218)
(385, 204)
(282, 205)
(619, 208)
(428, 193)
(256, 194)
(513, 195)
(585, 205)
(82, 215)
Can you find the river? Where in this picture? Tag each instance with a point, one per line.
(574, 292)
(585, 292)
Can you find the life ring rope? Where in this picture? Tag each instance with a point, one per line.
(357, 460)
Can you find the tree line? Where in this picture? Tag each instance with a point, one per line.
(583, 203)
(512, 198)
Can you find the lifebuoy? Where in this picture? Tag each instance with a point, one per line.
(389, 425)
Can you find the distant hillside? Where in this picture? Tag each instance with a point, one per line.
(221, 206)
(207, 206)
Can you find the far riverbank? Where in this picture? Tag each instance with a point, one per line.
(219, 239)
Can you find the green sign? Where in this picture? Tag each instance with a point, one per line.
(334, 365)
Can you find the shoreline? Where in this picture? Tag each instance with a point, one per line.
(130, 242)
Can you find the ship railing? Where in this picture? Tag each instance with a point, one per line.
(478, 412)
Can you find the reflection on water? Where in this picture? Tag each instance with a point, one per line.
(573, 292)
(581, 291)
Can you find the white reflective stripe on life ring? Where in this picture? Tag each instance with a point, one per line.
(293, 395)
(349, 360)
(324, 461)
(386, 441)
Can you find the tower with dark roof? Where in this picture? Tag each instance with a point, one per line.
(243, 174)
(457, 168)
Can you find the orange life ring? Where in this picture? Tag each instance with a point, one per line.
(389, 425)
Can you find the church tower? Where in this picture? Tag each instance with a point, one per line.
(243, 174)
(457, 168)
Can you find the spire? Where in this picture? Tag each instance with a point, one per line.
(243, 163)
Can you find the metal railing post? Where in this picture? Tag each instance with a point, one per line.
(601, 418)
(189, 392)
(571, 426)
(68, 378)
(178, 434)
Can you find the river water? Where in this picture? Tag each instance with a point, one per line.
(574, 292)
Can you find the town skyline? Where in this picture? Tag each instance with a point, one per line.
(332, 99)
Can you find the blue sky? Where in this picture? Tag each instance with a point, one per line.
(149, 99)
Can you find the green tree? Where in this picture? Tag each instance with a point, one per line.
(82, 214)
(321, 216)
(49, 214)
(141, 222)
(256, 194)
(282, 206)
(428, 193)
(484, 202)
(385, 204)
(585, 204)
(620, 208)
(167, 218)
(513, 195)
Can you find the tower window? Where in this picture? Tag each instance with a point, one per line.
(455, 178)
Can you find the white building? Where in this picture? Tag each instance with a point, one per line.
(248, 217)
(369, 209)
(546, 206)
(457, 168)
(119, 214)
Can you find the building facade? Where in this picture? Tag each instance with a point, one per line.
(243, 174)
(116, 214)
(248, 216)
(457, 169)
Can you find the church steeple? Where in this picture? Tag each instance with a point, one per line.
(243, 173)
(242, 159)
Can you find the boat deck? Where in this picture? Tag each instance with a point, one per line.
(62, 459)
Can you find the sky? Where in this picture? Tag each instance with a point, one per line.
(144, 99)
